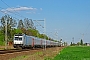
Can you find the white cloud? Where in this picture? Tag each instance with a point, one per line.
(31, 12)
(18, 9)
(40, 8)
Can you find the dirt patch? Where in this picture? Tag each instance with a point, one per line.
(8, 47)
(50, 53)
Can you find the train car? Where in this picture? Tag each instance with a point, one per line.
(37, 42)
(48, 43)
(25, 41)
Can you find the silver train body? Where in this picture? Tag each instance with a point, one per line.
(24, 41)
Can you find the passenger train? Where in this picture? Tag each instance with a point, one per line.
(25, 41)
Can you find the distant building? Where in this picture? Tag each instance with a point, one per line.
(87, 44)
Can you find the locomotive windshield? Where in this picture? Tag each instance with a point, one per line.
(18, 38)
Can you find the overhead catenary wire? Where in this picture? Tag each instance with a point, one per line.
(39, 23)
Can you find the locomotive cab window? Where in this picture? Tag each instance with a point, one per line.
(20, 38)
(16, 38)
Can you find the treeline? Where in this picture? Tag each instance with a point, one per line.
(15, 26)
(78, 43)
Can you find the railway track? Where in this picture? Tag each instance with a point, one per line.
(8, 54)
(16, 50)
(12, 51)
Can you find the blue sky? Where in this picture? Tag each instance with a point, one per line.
(67, 18)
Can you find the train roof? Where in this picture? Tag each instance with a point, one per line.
(19, 34)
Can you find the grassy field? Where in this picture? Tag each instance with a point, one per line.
(74, 53)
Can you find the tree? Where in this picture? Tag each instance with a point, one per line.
(2, 37)
(81, 42)
(10, 24)
(17, 31)
(71, 44)
(28, 24)
(78, 43)
(20, 24)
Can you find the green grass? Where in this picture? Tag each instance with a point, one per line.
(74, 53)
